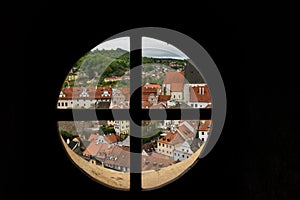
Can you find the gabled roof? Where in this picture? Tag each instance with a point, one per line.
(186, 131)
(93, 136)
(184, 145)
(204, 125)
(200, 94)
(176, 87)
(171, 138)
(118, 156)
(111, 138)
(90, 93)
(93, 148)
(174, 77)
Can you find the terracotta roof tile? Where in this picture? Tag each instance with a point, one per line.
(111, 138)
(204, 125)
(174, 77)
(185, 131)
(171, 138)
(197, 95)
(164, 98)
(93, 93)
(177, 87)
(118, 156)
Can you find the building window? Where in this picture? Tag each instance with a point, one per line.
(163, 145)
(202, 139)
(66, 103)
(202, 133)
(158, 144)
(183, 155)
(58, 104)
(196, 105)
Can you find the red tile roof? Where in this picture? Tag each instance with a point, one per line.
(151, 85)
(164, 98)
(196, 94)
(118, 157)
(146, 104)
(174, 77)
(185, 131)
(93, 137)
(93, 148)
(176, 87)
(171, 138)
(204, 125)
(93, 93)
(111, 138)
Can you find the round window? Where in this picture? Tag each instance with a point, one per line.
(138, 110)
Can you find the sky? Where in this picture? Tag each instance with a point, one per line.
(150, 47)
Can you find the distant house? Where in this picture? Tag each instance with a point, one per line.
(93, 148)
(118, 158)
(167, 143)
(183, 151)
(173, 85)
(120, 98)
(122, 127)
(186, 131)
(204, 129)
(110, 138)
(82, 97)
(150, 94)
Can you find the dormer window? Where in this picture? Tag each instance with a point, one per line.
(62, 94)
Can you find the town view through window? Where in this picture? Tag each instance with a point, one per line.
(101, 81)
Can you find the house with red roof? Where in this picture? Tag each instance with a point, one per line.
(198, 96)
(186, 131)
(150, 93)
(84, 97)
(120, 98)
(167, 143)
(204, 130)
(118, 158)
(173, 85)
